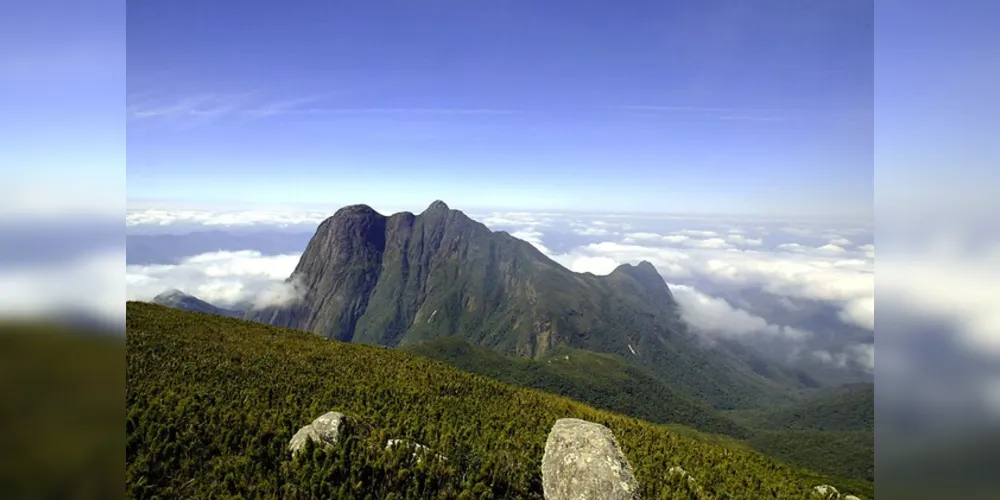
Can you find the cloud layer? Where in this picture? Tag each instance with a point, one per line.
(224, 279)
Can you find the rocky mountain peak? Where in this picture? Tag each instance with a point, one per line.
(437, 206)
(359, 210)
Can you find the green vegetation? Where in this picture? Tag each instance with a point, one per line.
(840, 453)
(832, 432)
(849, 408)
(601, 380)
(60, 415)
(211, 403)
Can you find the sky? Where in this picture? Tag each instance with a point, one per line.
(761, 107)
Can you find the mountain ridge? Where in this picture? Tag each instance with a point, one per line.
(403, 278)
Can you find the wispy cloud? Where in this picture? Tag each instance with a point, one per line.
(413, 111)
(208, 107)
(746, 114)
(200, 107)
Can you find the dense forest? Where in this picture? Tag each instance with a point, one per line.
(211, 403)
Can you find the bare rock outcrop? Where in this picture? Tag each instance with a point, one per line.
(323, 431)
(583, 461)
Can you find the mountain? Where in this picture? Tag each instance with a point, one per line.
(404, 278)
(180, 300)
(212, 402)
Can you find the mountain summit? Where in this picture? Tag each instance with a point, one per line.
(406, 278)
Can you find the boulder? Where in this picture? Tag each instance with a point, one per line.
(323, 431)
(825, 492)
(582, 461)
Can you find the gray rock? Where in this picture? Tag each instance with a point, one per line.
(679, 471)
(583, 461)
(323, 431)
(825, 492)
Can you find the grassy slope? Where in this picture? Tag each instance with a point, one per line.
(833, 432)
(602, 380)
(60, 415)
(211, 403)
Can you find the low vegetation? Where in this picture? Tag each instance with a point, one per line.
(211, 403)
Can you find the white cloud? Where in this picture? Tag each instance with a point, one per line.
(698, 233)
(742, 240)
(830, 248)
(160, 217)
(534, 237)
(869, 250)
(91, 283)
(792, 247)
(591, 231)
(220, 278)
(960, 287)
(677, 239)
(860, 312)
(508, 220)
(708, 243)
(860, 355)
(716, 317)
(806, 274)
(840, 241)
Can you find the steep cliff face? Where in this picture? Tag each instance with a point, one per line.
(406, 278)
(391, 280)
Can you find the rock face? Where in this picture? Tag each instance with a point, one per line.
(582, 461)
(401, 279)
(324, 431)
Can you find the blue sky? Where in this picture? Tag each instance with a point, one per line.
(707, 106)
(62, 82)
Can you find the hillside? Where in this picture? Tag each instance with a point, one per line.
(602, 380)
(405, 278)
(833, 431)
(61, 411)
(827, 434)
(848, 408)
(211, 403)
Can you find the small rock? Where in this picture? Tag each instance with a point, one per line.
(324, 431)
(582, 460)
(825, 492)
(679, 471)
